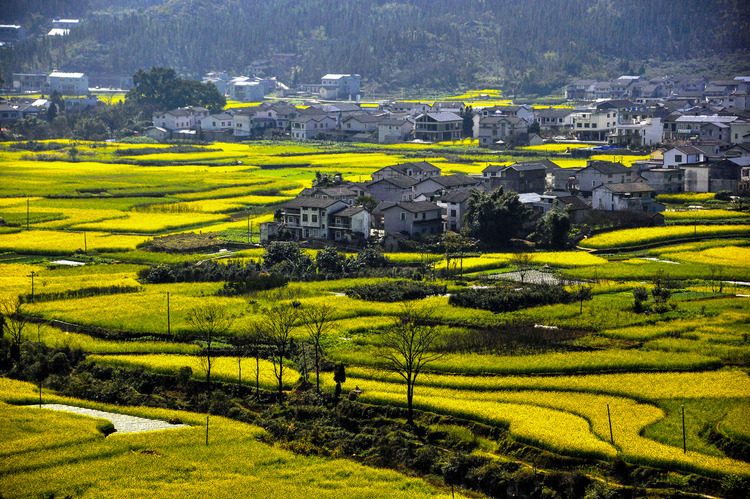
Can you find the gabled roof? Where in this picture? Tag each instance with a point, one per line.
(400, 181)
(328, 191)
(222, 116)
(455, 196)
(422, 166)
(303, 202)
(690, 150)
(456, 180)
(312, 117)
(363, 118)
(442, 117)
(627, 187)
(607, 168)
(394, 121)
(494, 168)
(528, 166)
(351, 211)
(573, 203)
(492, 119)
(553, 113)
(412, 206)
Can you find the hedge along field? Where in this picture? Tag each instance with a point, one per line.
(48, 242)
(635, 237)
(545, 364)
(704, 215)
(56, 338)
(222, 368)
(177, 463)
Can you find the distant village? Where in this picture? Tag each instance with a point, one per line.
(696, 132)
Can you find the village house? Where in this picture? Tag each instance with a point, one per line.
(216, 122)
(182, 118)
(596, 122)
(438, 127)
(743, 186)
(495, 129)
(554, 120)
(13, 111)
(308, 217)
(412, 218)
(340, 86)
(580, 90)
(417, 170)
(738, 151)
(29, 82)
(597, 173)
(310, 126)
(682, 155)
(393, 130)
(440, 184)
(68, 83)
(12, 33)
(519, 177)
(636, 134)
(244, 89)
(723, 175)
(361, 123)
(411, 108)
(344, 194)
(393, 189)
(453, 204)
(739, 131)
(350, 224)
(629, 196)
(62, 27)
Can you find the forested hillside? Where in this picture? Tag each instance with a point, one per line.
(533, 46)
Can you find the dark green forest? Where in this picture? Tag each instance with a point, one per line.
(533, 46)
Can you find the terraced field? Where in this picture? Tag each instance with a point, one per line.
(554, 395)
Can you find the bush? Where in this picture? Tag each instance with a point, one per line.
(723, 196)
(509, 299)
(394, 291)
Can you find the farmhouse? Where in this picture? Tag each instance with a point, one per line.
(309, 127)
(419, 171)
(630, 196)
(308, 217)
(437, 127)
(453, 204)
(411, 218)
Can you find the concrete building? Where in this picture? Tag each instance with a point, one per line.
(630, 196)
(68, 83)
(438, 127)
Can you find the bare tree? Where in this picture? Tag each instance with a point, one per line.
(277, 326)
(318, 321)
(409, 342)
(12, 323)
(522, 261)
(209, 321)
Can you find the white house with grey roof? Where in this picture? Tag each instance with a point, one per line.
(340, 86)
(412, 218)
(394, 130)
(629, 196)
(418, 170)
(310, 126)
(597, 173)
(445, 183)
(453, 204)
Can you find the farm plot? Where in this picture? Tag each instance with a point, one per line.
(636, 237)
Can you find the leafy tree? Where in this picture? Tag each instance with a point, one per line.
(287, 256)
(409, 344)
(367, 202)
(90, 128)
(371, 257)
(467, 115)
(553, 228)
(160, 89)
(496, 217)
(330, 261)
(535, 128)
(32, 128)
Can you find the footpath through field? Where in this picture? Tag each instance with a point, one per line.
(122, 422)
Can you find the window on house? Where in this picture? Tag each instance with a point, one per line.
(453, 213)
(338, 220)
(403, 216)
(314, 219)
(678, 157)
(304, 217)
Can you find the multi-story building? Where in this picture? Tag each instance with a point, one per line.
(438, 127)
(418, 170)
(29, 82)
(68, 83)
(630, 196)
(412, 218)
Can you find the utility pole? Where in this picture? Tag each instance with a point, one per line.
(248, 225)
(169, 326)
(32, 284)
(27, 213)
(85, 248)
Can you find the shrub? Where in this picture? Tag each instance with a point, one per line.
(508, 299)
(394, 291)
